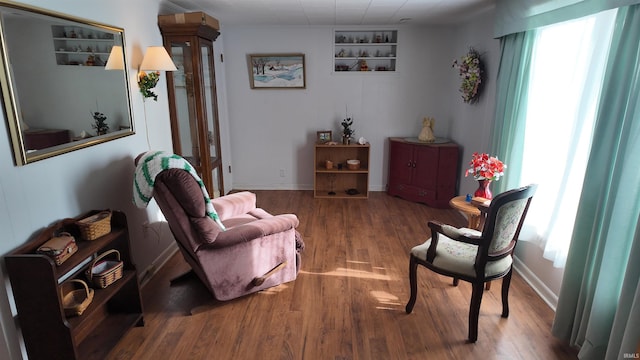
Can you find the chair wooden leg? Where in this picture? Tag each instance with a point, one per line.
(413, 281)
(506, 281)
(474, 310)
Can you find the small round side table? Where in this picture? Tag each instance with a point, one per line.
(472, 212)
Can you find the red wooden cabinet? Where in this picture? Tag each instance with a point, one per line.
(423, 172)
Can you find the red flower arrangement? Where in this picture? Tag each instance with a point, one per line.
(485, 167)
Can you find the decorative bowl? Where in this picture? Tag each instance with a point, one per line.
(353, 164)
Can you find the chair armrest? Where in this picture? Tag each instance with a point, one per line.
(235, 204)
(254, 230)
(458, 234)
(451, 232)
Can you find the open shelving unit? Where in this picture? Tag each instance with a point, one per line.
(36, 283)
(335, 182)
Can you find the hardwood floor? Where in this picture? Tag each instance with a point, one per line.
(348, 300)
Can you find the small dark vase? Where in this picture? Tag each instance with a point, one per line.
(483, 190)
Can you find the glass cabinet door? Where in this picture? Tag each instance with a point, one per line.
(185, 140)
(211, 106)
(193, 108)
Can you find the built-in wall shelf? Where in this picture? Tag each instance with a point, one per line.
(80, 46)
(365, 50)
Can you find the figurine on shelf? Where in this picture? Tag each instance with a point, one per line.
(363, 65)
(426, 134)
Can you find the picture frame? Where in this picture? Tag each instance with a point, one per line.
(277, 71)
(324, 136)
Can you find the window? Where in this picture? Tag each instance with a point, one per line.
(565, 79)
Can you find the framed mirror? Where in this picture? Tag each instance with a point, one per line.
(58, 93)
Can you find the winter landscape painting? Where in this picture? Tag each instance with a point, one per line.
(277, 71)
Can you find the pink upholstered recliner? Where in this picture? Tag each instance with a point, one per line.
(257, 250)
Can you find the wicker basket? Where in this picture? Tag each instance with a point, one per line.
(95, 226)
(75, 301)
(103, 273)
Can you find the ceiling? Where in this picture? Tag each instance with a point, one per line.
(331, 12)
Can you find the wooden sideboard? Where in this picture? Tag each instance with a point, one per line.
(423, 172)
(37, 139)
(36, 282)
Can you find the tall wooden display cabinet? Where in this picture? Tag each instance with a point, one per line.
(192, 94)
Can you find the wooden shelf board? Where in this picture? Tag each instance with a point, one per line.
(98, 344)
(101, 297)
(341, 171)
(319, 195)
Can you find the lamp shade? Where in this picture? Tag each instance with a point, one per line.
(157, 58)
(116, 59)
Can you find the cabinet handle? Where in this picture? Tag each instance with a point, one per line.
(414, 164)
(409, 163)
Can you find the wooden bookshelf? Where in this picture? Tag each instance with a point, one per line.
(339, 181)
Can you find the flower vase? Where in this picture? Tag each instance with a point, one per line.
(483, 190)
(346, 140)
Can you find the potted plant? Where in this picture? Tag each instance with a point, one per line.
(347, 131)
(100, 123)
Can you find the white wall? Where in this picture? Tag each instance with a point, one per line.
(276, 129)
(472, 122)
(38, 194)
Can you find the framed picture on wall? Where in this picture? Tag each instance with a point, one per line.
(276, 71)
(323, 136)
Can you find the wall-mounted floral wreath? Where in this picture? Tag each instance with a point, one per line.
(471, 73)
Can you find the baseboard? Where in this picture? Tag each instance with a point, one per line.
(380, 188)
(149, 272)
(536, 284)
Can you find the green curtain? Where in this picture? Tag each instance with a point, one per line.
(507, 137)
(593, 311)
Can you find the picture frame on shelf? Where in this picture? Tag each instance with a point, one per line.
(323, 137)
(276, 71)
